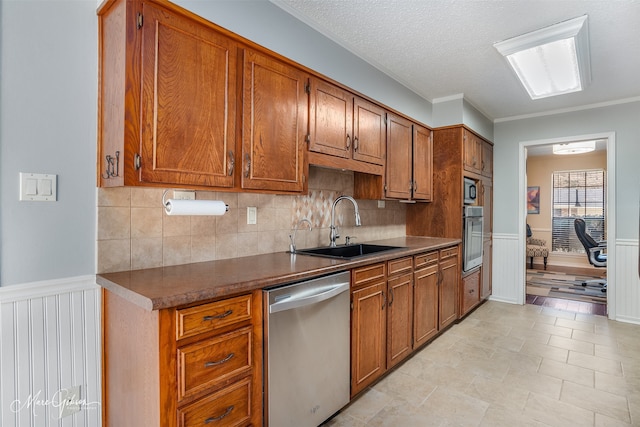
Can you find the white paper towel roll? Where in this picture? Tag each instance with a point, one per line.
(195, 207)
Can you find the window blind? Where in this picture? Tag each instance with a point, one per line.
(577, 194)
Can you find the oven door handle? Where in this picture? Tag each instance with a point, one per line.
(292, 301)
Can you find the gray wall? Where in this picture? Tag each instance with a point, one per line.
(48, 86)
(48, 109)
(623, 119)
(275, 29)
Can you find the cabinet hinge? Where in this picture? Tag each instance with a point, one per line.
(307, 138)
(307, 87)
(137, 161)
(139, 21)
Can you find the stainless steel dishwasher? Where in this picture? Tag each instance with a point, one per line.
(307, 350)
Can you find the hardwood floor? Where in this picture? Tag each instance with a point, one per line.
(568, 305)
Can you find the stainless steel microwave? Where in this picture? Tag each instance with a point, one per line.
(470, 191)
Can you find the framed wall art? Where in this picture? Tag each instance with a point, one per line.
(533, 200)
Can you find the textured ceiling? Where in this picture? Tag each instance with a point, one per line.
(442, 48)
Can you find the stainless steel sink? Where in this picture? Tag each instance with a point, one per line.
(347, 251)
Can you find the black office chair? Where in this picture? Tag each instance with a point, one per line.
(594, 252)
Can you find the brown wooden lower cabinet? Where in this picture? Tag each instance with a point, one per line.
(470, 295)
(396, 307)
(399, 310)
(198, 365)
(425, 298)
(368, 323)
(448, 287)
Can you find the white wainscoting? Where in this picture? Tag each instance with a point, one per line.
(508, 269)
(50, 341)
(623, 293)
(627, 283)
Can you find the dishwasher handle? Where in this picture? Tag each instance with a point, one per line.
(293, 302)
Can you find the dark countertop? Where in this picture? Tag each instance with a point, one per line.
(167, 287)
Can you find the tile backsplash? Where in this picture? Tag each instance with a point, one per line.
(134, 232)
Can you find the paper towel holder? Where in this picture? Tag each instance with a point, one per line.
(166, 204)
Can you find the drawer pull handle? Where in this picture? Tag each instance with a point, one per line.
(214, 419)
(217, 316)
(219, 362)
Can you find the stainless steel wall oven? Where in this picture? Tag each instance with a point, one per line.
(472, 238)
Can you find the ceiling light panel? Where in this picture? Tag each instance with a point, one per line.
(551, 61)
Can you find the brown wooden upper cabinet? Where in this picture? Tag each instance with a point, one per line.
(167, 98)
(345, 131)
(477, 154)
(409, 169)
(176, 93)
(274, 124)
(188, 102)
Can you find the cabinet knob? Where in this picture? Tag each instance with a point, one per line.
(356, 144)
(348, 143)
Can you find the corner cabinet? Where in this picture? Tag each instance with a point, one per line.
(185, 366)
(176, 93)
(274, 124)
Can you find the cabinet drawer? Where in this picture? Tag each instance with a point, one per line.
(423, 260)
(204, 364)
(228, 407)
(209, 317)
(448, 252)
(368, 273)
(401, 265)
(470, 291)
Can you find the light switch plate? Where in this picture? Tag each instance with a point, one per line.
(252, 215)
(38, 187)
(381, 204)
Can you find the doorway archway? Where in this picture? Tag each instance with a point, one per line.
(610, 207)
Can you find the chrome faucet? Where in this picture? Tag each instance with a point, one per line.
(333, 231)
(292, 246)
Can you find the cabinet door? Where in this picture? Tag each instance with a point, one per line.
(470, 296)
(399, 157)
(330, 119)
(422, 164)
(274, 124)
(399, 318)
(485, 192)
(369, 140)
(188, 106)
(449, 279)
(487, 159)
(425, 304)
(368, 335)
(471, 152)
(485, 284)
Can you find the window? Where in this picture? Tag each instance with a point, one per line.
(577, 194)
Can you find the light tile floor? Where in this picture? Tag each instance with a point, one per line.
(512, 365)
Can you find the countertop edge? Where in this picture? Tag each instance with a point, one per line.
(110, 281)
